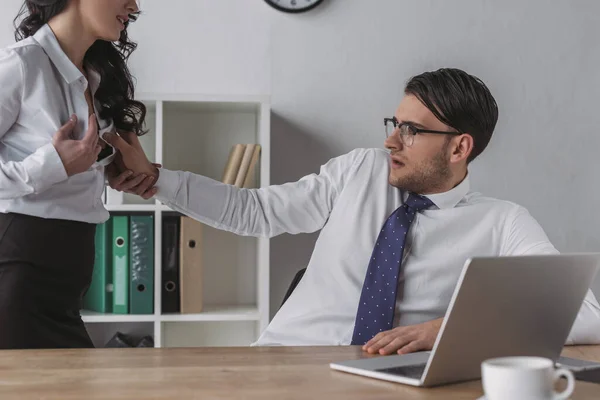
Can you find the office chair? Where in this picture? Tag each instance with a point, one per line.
(293, 285)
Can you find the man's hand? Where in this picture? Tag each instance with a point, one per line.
(405, 339)
(77, 156)
(125, 182)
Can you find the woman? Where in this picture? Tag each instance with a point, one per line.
(64, 83)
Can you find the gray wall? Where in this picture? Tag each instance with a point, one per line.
(335, 72)
(338, 72)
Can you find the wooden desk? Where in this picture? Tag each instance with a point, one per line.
(211, 373)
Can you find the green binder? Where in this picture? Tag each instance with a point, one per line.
(141, 291)
(120, 248)
(98, 297)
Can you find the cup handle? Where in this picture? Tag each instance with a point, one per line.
(564, 373)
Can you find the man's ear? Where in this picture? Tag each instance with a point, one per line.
(462, 146)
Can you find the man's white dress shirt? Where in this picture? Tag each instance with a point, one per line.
(349, 200)
(40, 88)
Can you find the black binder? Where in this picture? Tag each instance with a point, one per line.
(170, 265)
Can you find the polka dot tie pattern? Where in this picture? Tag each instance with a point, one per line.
(378, 298)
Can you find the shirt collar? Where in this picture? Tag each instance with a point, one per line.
(46, 38)
(450, 198)
(453, 196)
(94, 80)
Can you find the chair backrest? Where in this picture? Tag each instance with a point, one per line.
(293, 285)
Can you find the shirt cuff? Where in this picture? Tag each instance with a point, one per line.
(45, 168)
(168, 184)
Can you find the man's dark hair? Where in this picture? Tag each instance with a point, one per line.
(459, 100)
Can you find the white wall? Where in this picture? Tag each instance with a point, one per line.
(209, 46)
(335, 72)
(8, 11)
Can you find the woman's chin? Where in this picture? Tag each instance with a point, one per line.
(111, 36)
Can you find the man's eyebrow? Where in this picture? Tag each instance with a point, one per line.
(413, 123)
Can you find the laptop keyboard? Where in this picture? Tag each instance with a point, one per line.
(409, 371)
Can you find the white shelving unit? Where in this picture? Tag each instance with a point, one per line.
(195, 133)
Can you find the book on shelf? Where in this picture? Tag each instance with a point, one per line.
(99, 294)
(182, 269)
(170, 290)
(120, 264)
(233, 163)
(141, 290)
(190, 266)
(240, 169)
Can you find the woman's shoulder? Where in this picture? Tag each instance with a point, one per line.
(24, 52)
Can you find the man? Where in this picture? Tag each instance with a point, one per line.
(396, 227)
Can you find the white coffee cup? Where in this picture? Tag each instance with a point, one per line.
(523, 378)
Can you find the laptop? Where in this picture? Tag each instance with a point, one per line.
(501, 306)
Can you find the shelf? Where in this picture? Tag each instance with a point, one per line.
(131, 207)
(203, 98)
(195, 132)
(212, 313)
(137, 207)
(91, 316)
(163, 207)
(217, 313)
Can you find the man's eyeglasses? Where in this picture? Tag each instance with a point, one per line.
(407, 132)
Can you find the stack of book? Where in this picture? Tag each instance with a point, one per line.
(123, 278)
(240, 169)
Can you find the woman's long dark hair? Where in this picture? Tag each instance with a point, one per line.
(116, 90)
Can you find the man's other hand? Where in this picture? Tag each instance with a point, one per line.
(405, 339)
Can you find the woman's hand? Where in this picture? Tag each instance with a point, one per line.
(123, 178)
(77, 156)
(132, 157)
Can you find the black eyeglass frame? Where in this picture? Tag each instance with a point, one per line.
(413, 129)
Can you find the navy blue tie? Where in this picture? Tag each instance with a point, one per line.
(378, 298)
